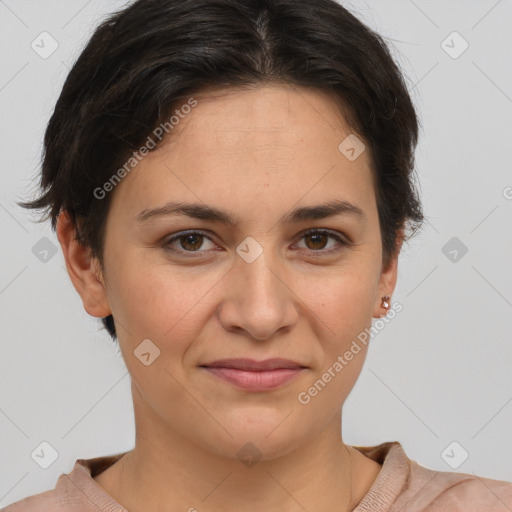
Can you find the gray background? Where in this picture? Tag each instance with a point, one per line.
(438, 373)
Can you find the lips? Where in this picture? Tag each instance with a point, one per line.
(252, 365)
(252, 375)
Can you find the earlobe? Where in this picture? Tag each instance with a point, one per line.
(385, 289)
(83, 270)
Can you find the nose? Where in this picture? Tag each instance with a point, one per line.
(259, 300)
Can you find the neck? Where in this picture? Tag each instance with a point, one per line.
(166, 472)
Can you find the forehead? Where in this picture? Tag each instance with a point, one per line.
(252, 112)
(278, 140)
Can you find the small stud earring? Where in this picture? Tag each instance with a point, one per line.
(385, 304)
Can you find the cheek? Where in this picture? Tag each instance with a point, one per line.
(342, 304)
(341, 307)
(159, 300)
(342, 301)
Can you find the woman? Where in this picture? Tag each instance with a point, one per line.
(231, 184)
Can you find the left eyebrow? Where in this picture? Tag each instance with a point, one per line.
(210, 213)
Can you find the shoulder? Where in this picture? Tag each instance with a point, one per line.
(74, 492)
(53, 500)
(432, 491)
(404, 485)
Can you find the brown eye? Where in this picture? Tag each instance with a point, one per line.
(317, 241)
(191, 242)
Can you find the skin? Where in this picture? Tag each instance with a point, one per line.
(257, 153)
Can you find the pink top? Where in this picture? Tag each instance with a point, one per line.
(402, 485)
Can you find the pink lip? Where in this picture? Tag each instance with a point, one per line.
(254, 375)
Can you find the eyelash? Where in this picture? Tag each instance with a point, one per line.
(343, 243)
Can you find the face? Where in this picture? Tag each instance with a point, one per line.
(203, 289)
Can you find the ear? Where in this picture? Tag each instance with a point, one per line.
(84, 271)
(387, 280)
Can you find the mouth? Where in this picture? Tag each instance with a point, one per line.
(252, 375)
